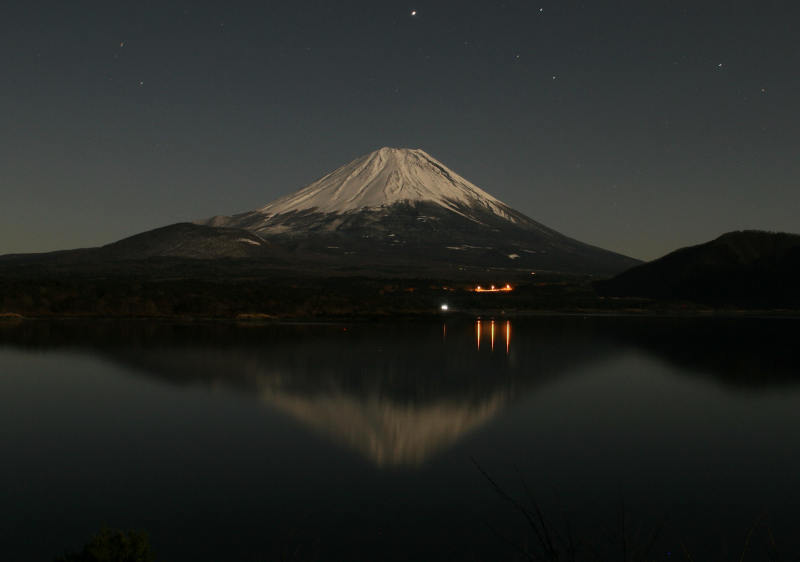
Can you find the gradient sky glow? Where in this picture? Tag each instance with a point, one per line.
(636, 126)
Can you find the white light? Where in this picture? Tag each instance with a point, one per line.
(413, 12)
(445, 308)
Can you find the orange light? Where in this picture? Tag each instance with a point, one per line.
(494, 289)
(478, 330)
(508, 335)
(492, 335)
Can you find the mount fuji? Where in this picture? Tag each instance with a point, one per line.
(390, 212)
(373, 183)
(404, 207)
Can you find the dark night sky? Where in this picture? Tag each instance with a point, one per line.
(638, 126)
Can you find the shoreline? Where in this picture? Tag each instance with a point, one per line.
(258, 318)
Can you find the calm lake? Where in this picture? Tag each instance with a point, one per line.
(366, 441)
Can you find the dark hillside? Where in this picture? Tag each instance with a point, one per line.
(744, 268)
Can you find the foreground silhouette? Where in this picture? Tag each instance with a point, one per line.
(112, 545)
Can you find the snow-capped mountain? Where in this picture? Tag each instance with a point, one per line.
(402, 205)
(373, 182)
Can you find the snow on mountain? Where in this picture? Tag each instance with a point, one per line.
(403, 206)
(378, 180)
(385, 177)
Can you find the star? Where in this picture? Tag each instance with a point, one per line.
(413, 12)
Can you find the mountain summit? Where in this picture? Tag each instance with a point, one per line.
(385, 177)
(398, 205)
(373, 182)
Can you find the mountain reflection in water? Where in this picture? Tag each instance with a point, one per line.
(396, 394)
(231, 439)
(386, 432)
(399, 394)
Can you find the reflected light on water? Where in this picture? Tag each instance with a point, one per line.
(492, 334)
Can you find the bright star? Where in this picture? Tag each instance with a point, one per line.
(413, 12)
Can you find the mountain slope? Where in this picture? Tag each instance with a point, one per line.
(181, 240)
(402, 205)
(738, 268)
(187, 240)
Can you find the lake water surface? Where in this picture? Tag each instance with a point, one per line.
(366, 441)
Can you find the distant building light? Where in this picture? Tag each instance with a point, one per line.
(494, 289)
(445, 308)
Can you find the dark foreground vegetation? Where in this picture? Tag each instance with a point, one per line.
(167, 288)
(164, 287)
(622, 538)
(111, 545)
